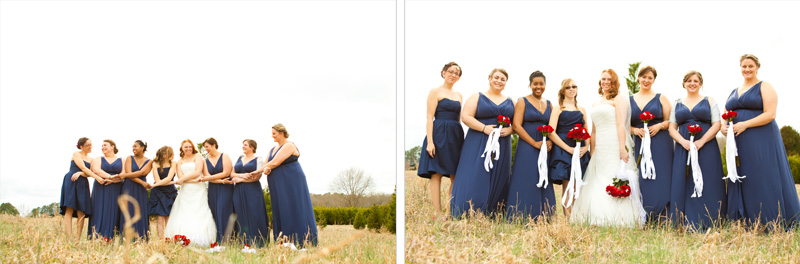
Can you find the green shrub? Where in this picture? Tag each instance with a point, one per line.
(360, 220)
(390, 221)
(794, 163)
(375, 218)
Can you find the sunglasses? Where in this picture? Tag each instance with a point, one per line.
(572, 87)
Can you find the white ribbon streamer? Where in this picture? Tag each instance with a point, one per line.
(492, 147)
(647, 166)
(730, 156)
(573, 190)
(542, 164)
(697, 175)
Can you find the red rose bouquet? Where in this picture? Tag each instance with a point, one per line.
(697, 174)
(541, 163)
(731, 152)
(572, 190)
(648, 168)
(619, 188)
(493, 143)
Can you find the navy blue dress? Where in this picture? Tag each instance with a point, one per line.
(699, 212)
(524, 198)
(768, 190)
(105, 220)
(475, 188)
(448, 136)
(655, 193)
(76, 194)
(248, 202)
(292, 212)
(220, 199)
(560, 159)
(162, 197)
(139, 193)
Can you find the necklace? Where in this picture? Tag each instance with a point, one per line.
(541, 105)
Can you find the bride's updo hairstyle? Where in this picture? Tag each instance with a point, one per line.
(614, 89)
(281, 129)
(194, 148)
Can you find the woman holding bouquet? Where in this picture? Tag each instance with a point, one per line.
(698, 208)
(292, 214)
(138, 166)
(163, 193)
(444, 134)
(768, 192)
(248, 197)
(75, 197)
(478, 189)
(563, 119)
(655, 192)
(105, 218)
(525, 198)
(220, 192)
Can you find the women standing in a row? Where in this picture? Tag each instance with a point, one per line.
(768, 192)
(703, 210)
(292, 212)
(525, 199)
(163, 192)
(220, 194)
(135, 185)
(444, 135)
(477, 189)
(563, 119)
(655, 192)
(75, 197)
(105, 218)
(248, 197)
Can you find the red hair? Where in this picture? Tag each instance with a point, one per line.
(194, 148)
(614, 89)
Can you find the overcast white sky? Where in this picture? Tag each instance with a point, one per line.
(166, 71)
(574, 39)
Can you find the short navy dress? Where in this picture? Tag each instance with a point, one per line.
(448, 136)
(768, 193)
(250, 207)
(75, 194)
(560, 159)
(162, 197)
(292, 212)
(139, 193)
(105, 220)
(655, 193)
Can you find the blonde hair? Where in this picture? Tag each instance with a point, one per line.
(689, 75)
(162, 156)
(501, 70)
(562, 95)
(750, 56)
(281, 129)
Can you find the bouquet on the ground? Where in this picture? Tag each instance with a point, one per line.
(542, 162)
(573, 190)
(214, 247)
(181, 239)
(493, 143)
(731, 152)
(248, 249)
(648, 168)
(697, 175)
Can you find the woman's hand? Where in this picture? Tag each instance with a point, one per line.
(639, 132)
(147, 186)
(537, 144)
(653, 130)
(685, 144)
(724, 127)
(699, 144)
(100, 180)
(267, 170)
(488, 129)
(431, 149)
(623, 155)
(740, 127)
(506, 131)
(570, 150)
(584, 149)
(75, 176)
(549, 145)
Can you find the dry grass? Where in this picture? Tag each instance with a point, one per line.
(479, 239)
(41, 240)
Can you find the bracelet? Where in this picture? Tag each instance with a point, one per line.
(484, 128)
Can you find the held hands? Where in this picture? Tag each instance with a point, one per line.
(75, 176)
(267, 170)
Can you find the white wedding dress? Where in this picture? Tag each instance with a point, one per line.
(190, 215)
(594, 206)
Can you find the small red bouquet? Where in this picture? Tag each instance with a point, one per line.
(578, 133)
(730, 115)
(619, 189)
(694, 129)
(646, 117)
(181, 239)
(545, 130)
(503, 120)
(213, 245)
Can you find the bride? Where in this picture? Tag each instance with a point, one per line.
(609, 147)
(190, 214)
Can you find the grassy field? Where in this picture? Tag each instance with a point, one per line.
(479, 239)
(41, 240)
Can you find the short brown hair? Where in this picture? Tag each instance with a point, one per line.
(281, 129)
(194, 148)
(82, 141)
(211, 141)
(252, 144)
(750, 56)
(111, 142)
(501, 70)
(447, 67)
(689, 75)
(612, 92)
(647, 69)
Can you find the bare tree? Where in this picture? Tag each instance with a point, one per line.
(354, 184)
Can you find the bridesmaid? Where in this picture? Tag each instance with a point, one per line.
(655, 193)
(292, 213)
(75, 197)
(444, 135)
(105, 218)
(136, 186)
(477, 189)
(562, 119)
(705, 211)
(248, 197)
(524, 198)
(768, 193)
(220, 192)
(163, 192)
